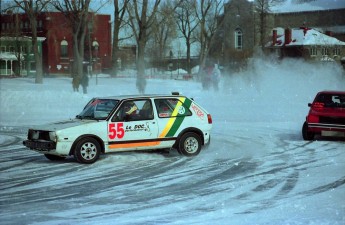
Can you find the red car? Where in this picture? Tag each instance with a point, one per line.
(326, 116)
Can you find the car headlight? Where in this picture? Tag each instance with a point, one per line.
(52, 136)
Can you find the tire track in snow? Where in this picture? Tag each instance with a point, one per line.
(249, 172)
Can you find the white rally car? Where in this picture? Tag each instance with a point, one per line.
(124, 123)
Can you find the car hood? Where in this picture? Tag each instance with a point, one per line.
(60, 125)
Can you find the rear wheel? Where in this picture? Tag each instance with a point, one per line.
(189, 144)
(54, 157)
(307, 135)
(87, 150)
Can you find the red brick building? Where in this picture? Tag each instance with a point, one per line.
(58, 46)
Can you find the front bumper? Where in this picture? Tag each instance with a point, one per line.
(40, 145)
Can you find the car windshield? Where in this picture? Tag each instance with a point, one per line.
(98, 109)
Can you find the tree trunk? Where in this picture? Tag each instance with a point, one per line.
(189, 70)
(37, 53)
(141, 82)
(115, 49)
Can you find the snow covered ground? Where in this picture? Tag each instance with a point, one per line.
(257, 170)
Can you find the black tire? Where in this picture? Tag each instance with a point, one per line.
(54, 157)
(87, 150)
(189, 144)
(308, 136)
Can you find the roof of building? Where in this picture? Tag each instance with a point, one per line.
(302, 6)
(20, 38)
(9, 56)
(305, 37)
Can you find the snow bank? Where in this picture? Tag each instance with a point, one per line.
(268, 91)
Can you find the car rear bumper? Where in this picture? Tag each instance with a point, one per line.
(318, 127)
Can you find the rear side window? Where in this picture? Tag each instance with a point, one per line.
(171, 107)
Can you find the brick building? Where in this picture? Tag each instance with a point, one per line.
(57, 49)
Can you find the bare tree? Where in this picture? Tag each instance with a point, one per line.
(141, 20)
(262, 8)
(78, 17)
(19, 43)
(163, 30)
(187, 23)
(119, 13)
(32, 8)
(208, 12)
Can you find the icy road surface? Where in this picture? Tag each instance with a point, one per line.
(240, 179)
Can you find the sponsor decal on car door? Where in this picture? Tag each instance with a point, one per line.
(133, 126)
(132, 134)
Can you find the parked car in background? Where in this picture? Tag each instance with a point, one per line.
(326, 116)
(124, 123)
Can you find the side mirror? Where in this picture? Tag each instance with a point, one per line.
(309, 104)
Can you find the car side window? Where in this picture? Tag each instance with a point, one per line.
(171, 108)
(134, 110)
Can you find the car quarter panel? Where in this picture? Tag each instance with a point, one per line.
(172, 126)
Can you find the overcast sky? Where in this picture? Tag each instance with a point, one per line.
(290, 6)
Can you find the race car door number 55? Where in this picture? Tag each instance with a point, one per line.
(115, 130)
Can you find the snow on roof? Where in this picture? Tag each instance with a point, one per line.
(9, 56)
(23, 38)
(294, 6)
(307, 36)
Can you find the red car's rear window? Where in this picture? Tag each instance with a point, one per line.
(330, 100)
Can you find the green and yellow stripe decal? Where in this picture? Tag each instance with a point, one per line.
(175, 122)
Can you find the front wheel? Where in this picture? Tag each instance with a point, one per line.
(87, 150)
(189, 144)
(307, 135)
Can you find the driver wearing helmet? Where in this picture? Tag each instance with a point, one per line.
(130, 108)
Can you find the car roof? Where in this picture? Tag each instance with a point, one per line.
(332, 92)
(123, 97)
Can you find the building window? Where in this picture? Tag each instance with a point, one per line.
(238, 39)
(32, 66)
(3, 48)
(64, 48)
(313, 51)
(324, 51)
(336, 51)
(23, 49)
